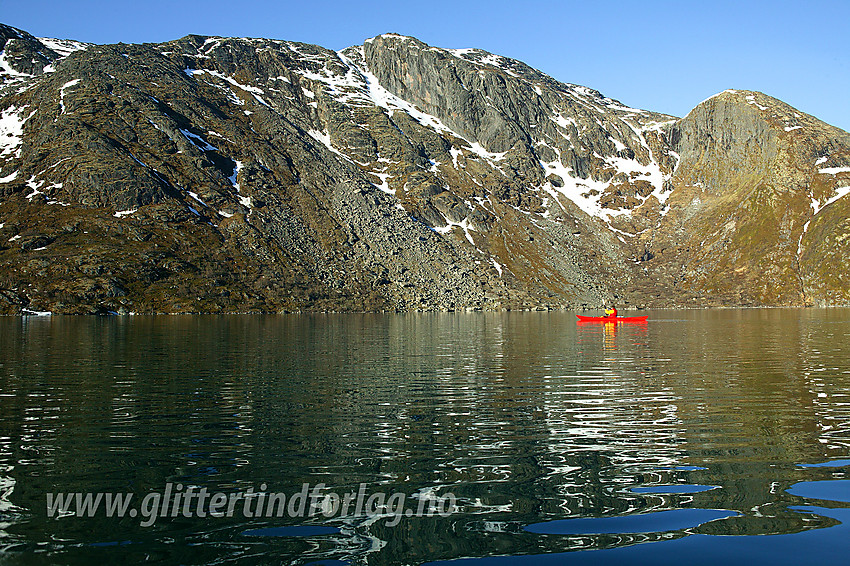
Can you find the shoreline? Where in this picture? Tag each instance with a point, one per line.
(46, 314)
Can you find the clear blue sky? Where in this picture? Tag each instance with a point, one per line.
(659, 55)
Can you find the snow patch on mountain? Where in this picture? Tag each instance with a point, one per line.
(6, 68)
(833, 170)
(12, 130)
(63, 47)
(62, 89)
(483, 58)
(817, 206)
(464, 225)
(198, 141)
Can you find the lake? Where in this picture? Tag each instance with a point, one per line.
(477, 438)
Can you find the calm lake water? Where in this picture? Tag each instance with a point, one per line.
(699, 437)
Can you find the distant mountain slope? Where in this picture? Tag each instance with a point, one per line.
(757, 215)
(252, 175)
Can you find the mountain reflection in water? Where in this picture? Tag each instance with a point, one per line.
(547, 432)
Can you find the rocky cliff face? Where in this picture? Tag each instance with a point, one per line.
(757, 216)
(244, 175)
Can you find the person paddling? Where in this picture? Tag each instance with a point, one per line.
(611, 312)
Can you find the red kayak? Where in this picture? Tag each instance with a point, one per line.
(610, 319)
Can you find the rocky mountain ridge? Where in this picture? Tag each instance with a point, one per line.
(252, 175)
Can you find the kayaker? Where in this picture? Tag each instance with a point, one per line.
(611, 312)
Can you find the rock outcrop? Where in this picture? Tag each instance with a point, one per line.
(757, 216)
(246, 175)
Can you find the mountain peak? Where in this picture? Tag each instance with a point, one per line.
(225, 174)
(774, 113)
(392, 36)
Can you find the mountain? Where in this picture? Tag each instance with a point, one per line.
(214, 174)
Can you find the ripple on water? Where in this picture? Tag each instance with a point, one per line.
(830, 464)
(661, 521)
(295, 531)
(524, 417)
(826, 490)
(674, 488)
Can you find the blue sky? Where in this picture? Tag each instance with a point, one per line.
(659, 55)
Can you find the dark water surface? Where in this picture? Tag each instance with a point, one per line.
(699, 437)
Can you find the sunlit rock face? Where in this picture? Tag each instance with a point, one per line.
(252, 175)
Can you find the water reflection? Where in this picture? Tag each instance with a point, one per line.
(527, 418)
(656, 522)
